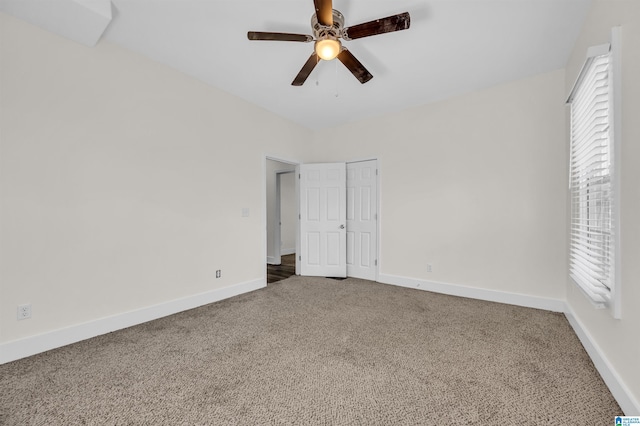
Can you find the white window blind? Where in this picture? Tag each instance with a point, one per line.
(591, 248)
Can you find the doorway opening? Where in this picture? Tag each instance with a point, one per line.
(291, 203)
(281, 219)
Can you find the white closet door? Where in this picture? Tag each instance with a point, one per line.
(323, 206)
(362, 216)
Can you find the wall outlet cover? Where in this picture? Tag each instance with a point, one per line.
(24, 311)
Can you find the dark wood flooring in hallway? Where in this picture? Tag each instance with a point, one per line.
(282, 271)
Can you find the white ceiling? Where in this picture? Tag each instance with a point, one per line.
(452, 47)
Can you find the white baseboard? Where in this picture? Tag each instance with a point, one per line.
(619, 390)
(271, 260)
(21, 348)
(554, 305)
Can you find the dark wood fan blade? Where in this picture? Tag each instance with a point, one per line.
(389, 24)
(258, 35)
(306, 70)
(324, 12)
(357, 69)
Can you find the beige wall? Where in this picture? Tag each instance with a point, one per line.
(474, 186)
(123, 182)
(618, 339)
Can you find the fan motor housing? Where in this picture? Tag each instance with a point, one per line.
(322, 32)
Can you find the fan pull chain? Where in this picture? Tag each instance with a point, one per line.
(336, 80)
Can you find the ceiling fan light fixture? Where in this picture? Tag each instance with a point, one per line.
(328, 48)
(327, 26)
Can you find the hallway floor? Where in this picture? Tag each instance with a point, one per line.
(279, 272)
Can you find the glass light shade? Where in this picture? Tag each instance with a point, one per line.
(328, 48)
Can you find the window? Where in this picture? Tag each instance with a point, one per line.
(592, 228)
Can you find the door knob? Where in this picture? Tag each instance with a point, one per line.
(341, 226)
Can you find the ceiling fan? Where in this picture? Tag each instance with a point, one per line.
(328, 28)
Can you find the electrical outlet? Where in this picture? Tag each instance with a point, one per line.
(24, 311)
(429, 268)
(218, 273)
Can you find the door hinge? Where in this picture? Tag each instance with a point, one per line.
(375, 216)
(298, 175)
(299, 216)
(375, 262)
(376, 172)
(300, 258)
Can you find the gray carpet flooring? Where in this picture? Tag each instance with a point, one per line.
(319, 351)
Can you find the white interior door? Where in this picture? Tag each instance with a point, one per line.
(362, 217)
(323, 210)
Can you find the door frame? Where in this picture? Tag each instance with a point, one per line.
(296, 163)
(281, 159)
